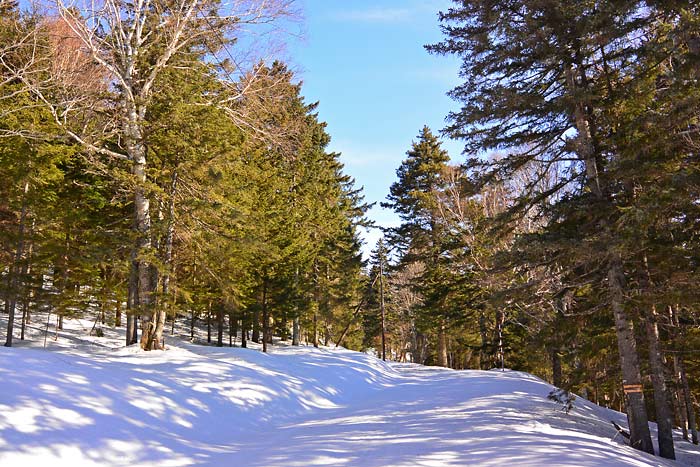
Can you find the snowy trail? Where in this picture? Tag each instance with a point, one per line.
(81, 404)
(444, 418)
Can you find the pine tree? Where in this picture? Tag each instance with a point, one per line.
(538, 76)
(301, 246)
(420, 236)
(136, 44)
(32, 167)
(376, 316)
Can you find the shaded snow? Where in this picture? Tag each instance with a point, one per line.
(86, 401)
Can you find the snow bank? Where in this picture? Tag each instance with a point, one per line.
(197, 405)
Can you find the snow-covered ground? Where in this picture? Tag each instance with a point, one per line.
(88, 401)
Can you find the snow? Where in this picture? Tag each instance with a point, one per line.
(86, 401)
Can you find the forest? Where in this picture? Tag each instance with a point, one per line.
(159, 168)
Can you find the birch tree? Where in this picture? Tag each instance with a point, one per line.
(127, 46)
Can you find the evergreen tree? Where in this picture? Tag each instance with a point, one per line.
(554, 83)
(420, 236)
(100, 85)
(376, 316)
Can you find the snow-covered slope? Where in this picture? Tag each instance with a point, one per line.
(196, 405)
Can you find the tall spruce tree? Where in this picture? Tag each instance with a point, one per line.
(376, 317)
(420, 236)
(538, 75)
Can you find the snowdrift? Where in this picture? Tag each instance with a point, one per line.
(84, 403)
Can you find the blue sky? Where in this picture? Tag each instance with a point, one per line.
(377, 86)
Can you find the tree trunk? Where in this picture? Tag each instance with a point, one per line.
(664, 414)
(561, 305)
(640, 436)
(684, 395)
(103, 306)
(265, 317)
(209, 324)
(131, 302)
(556, 368)
(325, 316)
(160, 315)
(193, 316)
(296, 325)
(679, 406)
(381, 306)
(25, 304)
(14, 268)
(232, 331)
(327, 334)
(162, 309)
(442, 345)
(8, 292)
(316, 304)
(483, 333)
(500, 351)
(315, 330)
(28, 292)
(326, 308)
(142, 223)
(683, 378)
(220, 326)
(118, 312)
(24, 319)
(66, 287)
(130, 325)
(256, 326)
(244, 330)
(296, 328)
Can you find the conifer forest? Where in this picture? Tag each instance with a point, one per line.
(165, 174)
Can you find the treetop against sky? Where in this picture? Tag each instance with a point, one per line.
(364, 61)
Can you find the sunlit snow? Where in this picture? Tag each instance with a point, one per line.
(87, 401)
